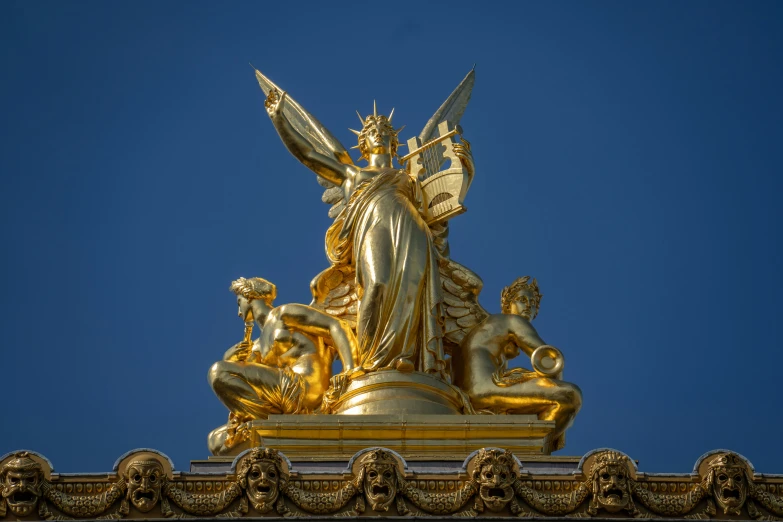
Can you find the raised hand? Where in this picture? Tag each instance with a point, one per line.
(463, 152)
(274, 103)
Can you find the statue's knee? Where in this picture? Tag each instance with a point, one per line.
(571, 396)
(216, 371)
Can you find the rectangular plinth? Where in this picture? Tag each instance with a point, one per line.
(412, 436)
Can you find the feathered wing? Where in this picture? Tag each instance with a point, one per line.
(334, 292)
(451, 111)
(460, 286)
(461, 308)
(319, 137)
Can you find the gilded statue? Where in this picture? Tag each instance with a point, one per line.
(481, 363)
(381, 235)
(284, 370)
(393, 305)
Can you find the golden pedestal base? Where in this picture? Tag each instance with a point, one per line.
(415, 414)
(442, 437)
(391, 392)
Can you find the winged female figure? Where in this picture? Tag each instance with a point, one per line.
(386, 261)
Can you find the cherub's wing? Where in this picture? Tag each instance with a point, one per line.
(319, 137)
(461, 308)
(451, 111)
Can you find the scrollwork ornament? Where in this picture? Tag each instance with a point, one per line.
(85, 505)
(669, 505)
(202, 504)
(438, 503)
(771, 502)
(553, 504)
(323, 502)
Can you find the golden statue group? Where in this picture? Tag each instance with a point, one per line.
(401, 315)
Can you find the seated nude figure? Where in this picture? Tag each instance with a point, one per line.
(481, 364)
(286, 370)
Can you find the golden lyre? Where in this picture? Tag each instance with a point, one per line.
(444, 190)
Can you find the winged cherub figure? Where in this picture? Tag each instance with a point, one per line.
(379, 244)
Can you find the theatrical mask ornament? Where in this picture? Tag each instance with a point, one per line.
(21, 479)
(380, 480)
(611, 482)
(260, 476)
(145, 479)
(729, 482)
(495, 476)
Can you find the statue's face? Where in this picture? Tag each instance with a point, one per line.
(245, 310)
(21, 490)
(379, 139)
(612, 490)
(380, 485)
(730, 488)
(262, 485)
(524, 305)
(145, 479)
(495, 478)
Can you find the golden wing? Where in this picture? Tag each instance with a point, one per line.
(461, 308)
(334, 292)
(450, 111)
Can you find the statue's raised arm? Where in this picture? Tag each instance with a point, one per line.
(325, 166)
(304, 136)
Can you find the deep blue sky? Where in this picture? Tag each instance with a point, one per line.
(628, 156)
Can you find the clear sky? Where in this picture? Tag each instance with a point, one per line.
(627, 153)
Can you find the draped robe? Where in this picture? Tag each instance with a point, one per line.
(382, 235)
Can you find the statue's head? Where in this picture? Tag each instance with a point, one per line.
(249, 290)
(145, 477)
(494, 472)
(21, 478)
(380, 479)
(259, 474)
(611, 481)
(728, 478)
(377, 135)
(521, 298)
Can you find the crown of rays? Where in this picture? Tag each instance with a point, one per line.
(375, 117)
